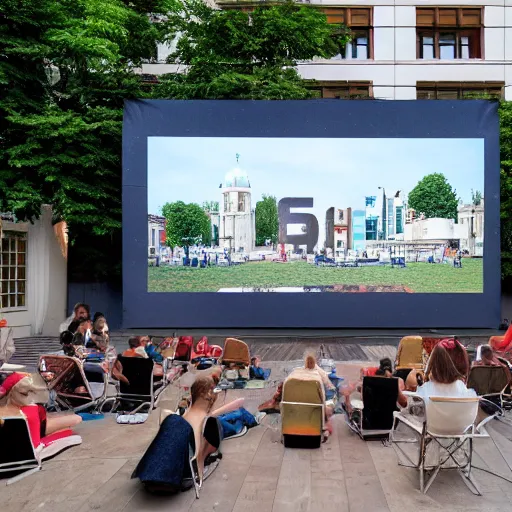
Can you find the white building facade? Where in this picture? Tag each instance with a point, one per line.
(33, 275)
(237, 226)
(408, 49)
(385, 215)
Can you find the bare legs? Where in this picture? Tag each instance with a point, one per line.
(56, 422)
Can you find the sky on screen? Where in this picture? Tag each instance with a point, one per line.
(334, 172)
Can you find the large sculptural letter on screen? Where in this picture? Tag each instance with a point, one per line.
(286, 217)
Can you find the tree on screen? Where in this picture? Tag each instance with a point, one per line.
(267, 222)
(232, 54)
(187, 224)
(433, 197)
(476, 197)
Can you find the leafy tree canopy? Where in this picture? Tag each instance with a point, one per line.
(267, 222)
(65, 69)
(506, 189)
(433, 196)
(237, 55)
(186, 224)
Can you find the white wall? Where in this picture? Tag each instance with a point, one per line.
(429, 229)
(46, 287)
(395, 69)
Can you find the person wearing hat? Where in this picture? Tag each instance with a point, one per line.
(23, 391)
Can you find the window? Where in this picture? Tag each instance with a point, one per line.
(371, 228)
(458, 90)
(449, 33)
(339, 244)
(226, 203)
(13, 271)
(391, 223)
(340, 215)
(342, 90)
(241, 201)
(359, 21)
(399, 220)
(153, 237)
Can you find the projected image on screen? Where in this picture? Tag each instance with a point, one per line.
(315, 215)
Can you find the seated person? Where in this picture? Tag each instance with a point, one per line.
(255, 372)
(136, 348)
(151, 350)
(66, 340)
(385, 369)
(99, 338)
(163, 466)
(447, 372)
(80, 312)
(489, 358)
(82, 335)
(22, 391)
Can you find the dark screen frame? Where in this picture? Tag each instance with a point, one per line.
(307, 119)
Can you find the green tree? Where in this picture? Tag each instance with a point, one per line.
(186, 224)
(506, 190)
(237, 55)
(433, 196)
(476, 197)
(211, 206)
(267, 222)
(65, 69)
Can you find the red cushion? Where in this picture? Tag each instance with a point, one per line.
(31, 412)
(48, 440)
(507, 338)
(370, 372)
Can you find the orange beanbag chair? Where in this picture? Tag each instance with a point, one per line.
(502, 343)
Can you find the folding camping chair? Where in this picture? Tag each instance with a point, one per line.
(372, 417)
(302, 413)
(141, 388)
(491, 383)
(17, 452)
(7, 348)
(410, 353)
(212, 433)
(236, 354)
(442, 440)
(64, 375)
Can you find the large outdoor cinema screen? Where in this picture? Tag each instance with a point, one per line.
(311, 214)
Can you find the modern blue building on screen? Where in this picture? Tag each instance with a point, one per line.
(359, 230)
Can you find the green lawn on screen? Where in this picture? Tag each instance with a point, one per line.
(419, 277)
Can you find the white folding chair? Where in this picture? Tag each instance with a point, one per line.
(442, 439)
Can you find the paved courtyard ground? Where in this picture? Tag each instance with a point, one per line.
(257, 473)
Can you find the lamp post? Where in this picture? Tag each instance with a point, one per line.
(384, 219)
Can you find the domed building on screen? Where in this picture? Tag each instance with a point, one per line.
(237, 227)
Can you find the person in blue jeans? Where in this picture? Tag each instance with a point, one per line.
(236, 423)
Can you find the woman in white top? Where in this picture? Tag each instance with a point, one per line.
(447, 372)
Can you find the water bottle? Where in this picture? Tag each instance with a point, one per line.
(43, 365)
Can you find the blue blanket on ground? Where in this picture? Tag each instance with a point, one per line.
(166, 461)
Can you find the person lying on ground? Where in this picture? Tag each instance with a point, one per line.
(255, 372)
